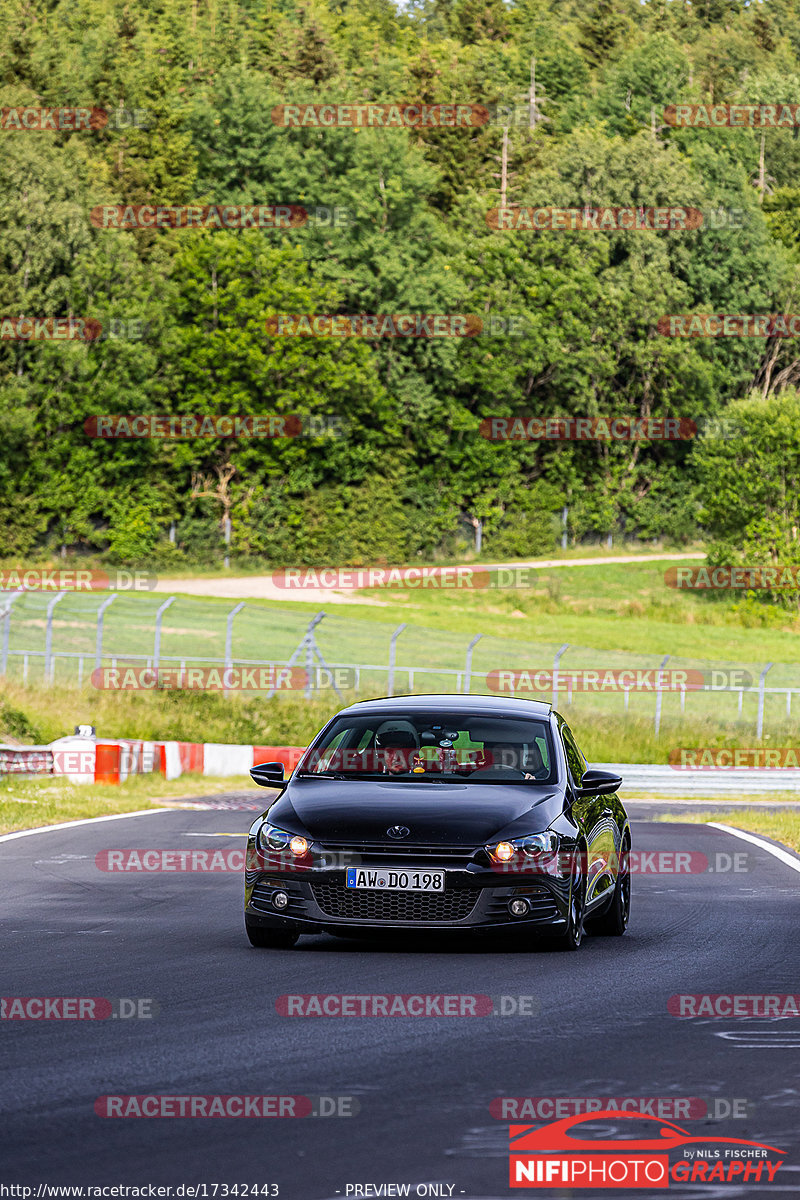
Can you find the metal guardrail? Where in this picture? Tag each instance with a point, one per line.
(703, 781)
(320, 678)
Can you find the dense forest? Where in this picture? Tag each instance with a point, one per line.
(393, 462)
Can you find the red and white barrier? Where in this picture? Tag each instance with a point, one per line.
(221, 758)
(112, 760)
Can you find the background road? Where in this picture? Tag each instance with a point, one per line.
(262, 587)
(424, 1084)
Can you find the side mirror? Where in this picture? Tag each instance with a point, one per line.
(269, 775)
(599, 783)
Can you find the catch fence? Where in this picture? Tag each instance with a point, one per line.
(64, 638)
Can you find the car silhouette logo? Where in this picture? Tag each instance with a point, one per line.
(556, 1136)
(398, 831)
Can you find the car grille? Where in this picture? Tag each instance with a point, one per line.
(335, 900)
(400, 849)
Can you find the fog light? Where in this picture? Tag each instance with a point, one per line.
(280, 900)
(519, 907)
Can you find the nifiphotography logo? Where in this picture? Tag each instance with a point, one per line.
(557, 1155)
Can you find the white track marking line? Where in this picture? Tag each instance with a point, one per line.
(142, 812)
(777, 851)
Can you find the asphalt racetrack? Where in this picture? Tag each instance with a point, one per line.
(423, 1085)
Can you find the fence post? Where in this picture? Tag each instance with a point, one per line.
(157, 642)
(468, 663)
(229, 643)
(310, 641)
(98, 646)
(309, 687)
(556, 661)
(664, 662)
(392, 656)
(761, 678)
(7, 627)
(306, 643)
(48, 638)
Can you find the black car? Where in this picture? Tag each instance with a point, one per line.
(440, 812)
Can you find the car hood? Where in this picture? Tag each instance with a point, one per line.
(457, 814)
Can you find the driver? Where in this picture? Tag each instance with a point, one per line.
(395, 748)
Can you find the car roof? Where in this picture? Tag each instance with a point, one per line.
(490, 705)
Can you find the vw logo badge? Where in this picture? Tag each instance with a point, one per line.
(398, 831)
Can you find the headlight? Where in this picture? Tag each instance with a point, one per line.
(270, 837)
(535, 845)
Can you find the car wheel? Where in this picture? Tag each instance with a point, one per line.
(270, 939)
(614, 921)
(573, 936)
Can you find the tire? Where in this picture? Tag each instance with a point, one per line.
(573, 936)
(614, 921)
(270, 939)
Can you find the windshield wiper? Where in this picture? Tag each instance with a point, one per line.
(323, 775)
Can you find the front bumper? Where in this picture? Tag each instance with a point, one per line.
(475, 896)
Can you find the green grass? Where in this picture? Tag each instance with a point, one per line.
(783, 827)
(615, 737)
(29, 803)
(611, 615)
(37, 715)
(608, 607)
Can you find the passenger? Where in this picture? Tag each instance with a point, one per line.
(505, 761)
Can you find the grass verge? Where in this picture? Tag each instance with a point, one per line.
(28, 803)
(783, 827)
(34, 715)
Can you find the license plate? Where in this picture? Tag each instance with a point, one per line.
(391, 880)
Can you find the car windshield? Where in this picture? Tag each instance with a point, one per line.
(467, 747)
